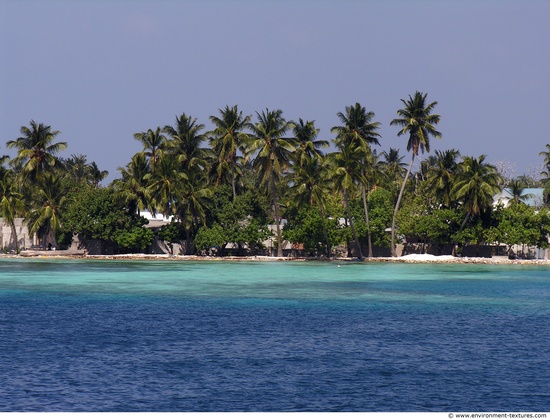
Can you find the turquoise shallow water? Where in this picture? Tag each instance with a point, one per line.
(272, 336)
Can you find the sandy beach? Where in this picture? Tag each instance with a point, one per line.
(412, 258)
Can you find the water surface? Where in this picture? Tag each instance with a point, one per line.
(272, 336)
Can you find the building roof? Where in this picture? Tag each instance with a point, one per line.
(534, 197)
(156, 220)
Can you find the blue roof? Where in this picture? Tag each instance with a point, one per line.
(534, 196)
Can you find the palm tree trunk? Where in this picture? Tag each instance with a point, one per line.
(323, 216)
(188, 242)
(47, 238)
(278, 223)
(455, 244)
(233, 181)
(464, 222)
(279, 237)
(366, 207)
(392, 243)
(353, 232)
(14, 236)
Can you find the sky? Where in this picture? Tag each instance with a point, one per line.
(101, 70)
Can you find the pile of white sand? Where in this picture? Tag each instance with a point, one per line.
(426, 257)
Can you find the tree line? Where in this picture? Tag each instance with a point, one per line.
(226, 185)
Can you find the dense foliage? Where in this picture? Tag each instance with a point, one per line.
(229, 189)
(94, 213)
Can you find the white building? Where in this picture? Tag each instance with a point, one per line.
(534, 197)
(156, 220)
(25, 241)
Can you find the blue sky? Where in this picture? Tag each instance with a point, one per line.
(100, 71)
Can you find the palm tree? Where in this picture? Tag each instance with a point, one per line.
(132, 187)
(16, 166)
(96, 175)
(272, 154)
(307, 144)
(77, 168)
(227, 139)
(165, 185)
(357, 129)
(185, 142)
(358, 132)
(3, 170)
(80, 171)
(309, 182)
(442, 174)
(516, 188)
(545, 173)
(374, 176)
(426, 166)
(546, 162)
(310, 186)
(190, 176)
(476, 185)
(50, 199)
(417, 120)
(546, 155)
(36, 149)
(345, 172)
(153, 145)
(394, 170)
(393, 164)
(11, 204)
(195, 198)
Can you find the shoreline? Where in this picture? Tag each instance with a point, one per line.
(413, 258)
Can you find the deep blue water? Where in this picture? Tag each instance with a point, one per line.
(209, 336)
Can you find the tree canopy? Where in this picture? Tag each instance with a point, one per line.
(265, 183)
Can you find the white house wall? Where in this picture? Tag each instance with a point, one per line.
(25, 241)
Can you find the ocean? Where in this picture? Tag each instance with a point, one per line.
(126, 336)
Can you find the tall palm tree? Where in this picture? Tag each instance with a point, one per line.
(374, 176)
(476, 185)
(309, 183)
(310, 186)
(416, 119)
(227, 139)
(36, 148)
(11, 204)
(271, 154)
(186, 138)
(346, 172)
(195, 198)
(358, 132)
(178, 193)
(153, 144)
